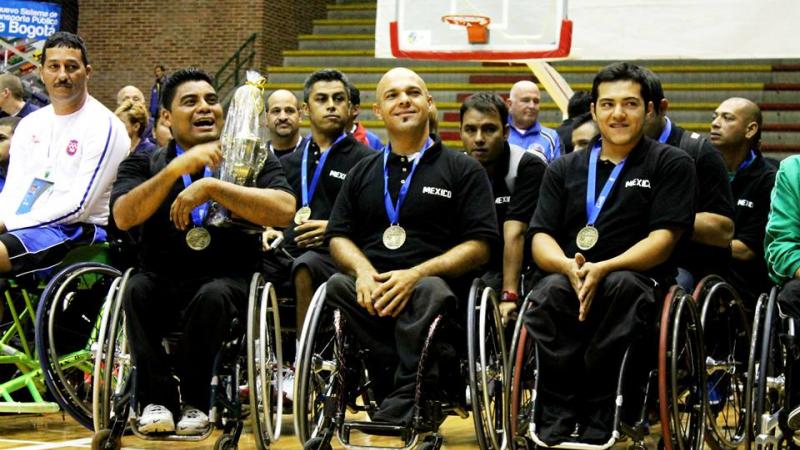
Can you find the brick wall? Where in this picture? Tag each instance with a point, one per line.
(125, 39)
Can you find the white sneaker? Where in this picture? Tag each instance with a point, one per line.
(156, 419)
(287, 385)
(193, 422)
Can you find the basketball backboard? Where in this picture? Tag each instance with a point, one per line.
(480, 29)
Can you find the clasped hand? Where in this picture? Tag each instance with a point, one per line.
(208, 154)
(584, 277)
(386, 294)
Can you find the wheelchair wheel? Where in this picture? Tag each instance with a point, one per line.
(264, 361)
(112, 362)
(681, 374)
(726, 331)
(522, 376)
(487, 360)
(317, 375)
(770, 362)
(67, 321)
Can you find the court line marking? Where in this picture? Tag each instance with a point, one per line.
(84, 442)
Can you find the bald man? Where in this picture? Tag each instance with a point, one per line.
(736, 132)
(135, 95)
(12, 102)
(410, 226)
(283, 121)
(526, 131)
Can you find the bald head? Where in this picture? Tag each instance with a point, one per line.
(736, 125)
(523, 104)
(281, 96)
(131, 93)
(283, 118)
(403, 103)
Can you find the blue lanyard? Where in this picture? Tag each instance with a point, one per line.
(666, 132)
(199, 212)
(593, 207)
(308, 191)
(393, 211)
(749, 160)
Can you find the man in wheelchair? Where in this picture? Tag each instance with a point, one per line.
(191, 279)
(604, 230)
(408, 225)
(63, 161)
(782, 252)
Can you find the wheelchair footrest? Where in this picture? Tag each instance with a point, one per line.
(376, 429)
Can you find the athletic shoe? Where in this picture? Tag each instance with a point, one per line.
(193, 422)
(156, 419)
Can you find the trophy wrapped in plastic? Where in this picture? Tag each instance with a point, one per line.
(244, 143)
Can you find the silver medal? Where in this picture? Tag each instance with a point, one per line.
(302, 214)
(394, 237)
(198, 238)
(587, 237)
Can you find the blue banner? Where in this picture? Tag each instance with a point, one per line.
(32, 20)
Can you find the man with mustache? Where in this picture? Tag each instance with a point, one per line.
(316, 172)
(283, 121)
(191, 276)
(409, 231)
(64, 158)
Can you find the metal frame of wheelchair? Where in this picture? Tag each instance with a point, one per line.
(251, 362)
(677, 384)
(773, 352)
(47, 356)
(326, 355)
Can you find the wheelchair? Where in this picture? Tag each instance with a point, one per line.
(674, 387)
(773, 354)
(246, 371)
(39, 354)
(333, 389)
(727, 336)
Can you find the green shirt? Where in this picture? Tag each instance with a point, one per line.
(782, 240)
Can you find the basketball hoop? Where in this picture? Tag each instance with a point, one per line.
(477, 26)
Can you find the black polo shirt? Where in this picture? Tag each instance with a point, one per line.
(520, 204)
(714, 196)
(752, 187)
(344, 155)
(162, 247)
(448, 203)
(655, 190)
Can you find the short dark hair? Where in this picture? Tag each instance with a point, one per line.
(581, 119)
(67, 40)
(486, 102)
(579, 103)
(355, 95)
(160, 66)
(620, 71)
(656, 89)
(324, 75)
(10, 121)
(179, 77)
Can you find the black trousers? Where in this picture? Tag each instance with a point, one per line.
(579, 362)
(202, 311)
(395, 342)
(280, 268)
(789, 299)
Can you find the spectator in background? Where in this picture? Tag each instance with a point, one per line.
(358, 131)
(155, 91)
(583, 130)
(161, 133)
(133, 94)
(7, 127)
(283, 121)
(12, 102)
(578, 104)
(526, 131)
(134, 116)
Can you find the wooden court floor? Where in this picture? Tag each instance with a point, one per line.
(60, 431)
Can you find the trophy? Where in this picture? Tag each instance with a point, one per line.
(244, 144)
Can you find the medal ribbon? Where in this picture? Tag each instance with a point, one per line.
(593, 207)
(749, 160)
(308, 191)
(666, 132)
(393, 211)
(200, 211)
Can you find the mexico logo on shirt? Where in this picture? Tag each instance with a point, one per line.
(72, 147)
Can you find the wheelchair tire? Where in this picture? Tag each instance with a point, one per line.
(727, 333)
(317, 374)
(113, 362)
(521, 372)
(487, 361)
(681, 373)
(264, 362)
(317, 443)
(770, 364)
(225, 442)
(67, 320)
(104, 440)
